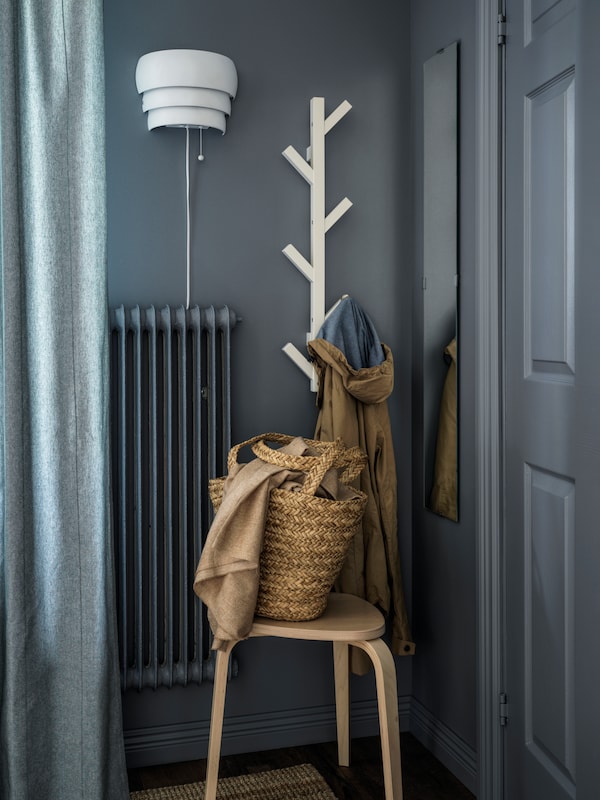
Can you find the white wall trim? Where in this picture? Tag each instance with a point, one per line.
(186, 741)
(454, 753)
(488, 333)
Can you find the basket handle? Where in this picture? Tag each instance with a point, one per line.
(352, 460)
(232, 458)
(302, 463)
(314, 476)
(357, 461)
(332, 454)
(314, 467)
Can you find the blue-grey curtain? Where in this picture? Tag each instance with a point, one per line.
(60, 717)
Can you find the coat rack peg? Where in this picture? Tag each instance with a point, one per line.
(299, 163)
(312, 169)
(336, 115)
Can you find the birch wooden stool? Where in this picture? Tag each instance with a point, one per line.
(348, 620)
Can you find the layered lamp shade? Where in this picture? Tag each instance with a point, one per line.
(186, 88)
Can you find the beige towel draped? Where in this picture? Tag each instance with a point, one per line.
(227, 575)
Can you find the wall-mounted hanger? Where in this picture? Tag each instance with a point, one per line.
(312, 170)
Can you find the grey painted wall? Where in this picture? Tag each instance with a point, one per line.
(248, 203)
(444, 578)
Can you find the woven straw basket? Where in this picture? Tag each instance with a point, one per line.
(306, 538)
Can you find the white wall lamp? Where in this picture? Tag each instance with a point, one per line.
(186, 89)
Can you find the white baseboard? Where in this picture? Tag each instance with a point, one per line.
(162, 744)
(454, 753)
(189, 740)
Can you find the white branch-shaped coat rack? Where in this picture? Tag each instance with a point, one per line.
(313, 171)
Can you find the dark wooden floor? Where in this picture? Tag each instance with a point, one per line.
(423, 777)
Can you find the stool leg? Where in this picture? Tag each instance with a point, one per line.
(216, 721)
(341, 669)
(387, 702)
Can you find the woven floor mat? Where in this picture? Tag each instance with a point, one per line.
(302, 782)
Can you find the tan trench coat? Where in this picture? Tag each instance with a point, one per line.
(444, 499)
(353, 405)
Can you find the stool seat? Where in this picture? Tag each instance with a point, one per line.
(347, 621)
(346, 618)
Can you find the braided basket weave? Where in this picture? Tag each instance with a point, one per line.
(306, 538)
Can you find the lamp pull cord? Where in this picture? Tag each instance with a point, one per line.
(187, 211)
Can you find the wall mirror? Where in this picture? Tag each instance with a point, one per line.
(440, 282)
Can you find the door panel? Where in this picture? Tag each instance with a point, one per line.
(548, 229)
(540, 380)
(549, 621)
(542, 15)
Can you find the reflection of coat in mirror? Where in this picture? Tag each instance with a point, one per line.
(443, 496)
(353, 405)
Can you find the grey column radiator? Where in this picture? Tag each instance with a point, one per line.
(170, 433)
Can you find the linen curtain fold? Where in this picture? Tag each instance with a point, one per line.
(60, 717)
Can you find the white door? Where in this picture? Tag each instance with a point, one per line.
(540, 381)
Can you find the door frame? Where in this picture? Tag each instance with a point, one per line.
(489, 396)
